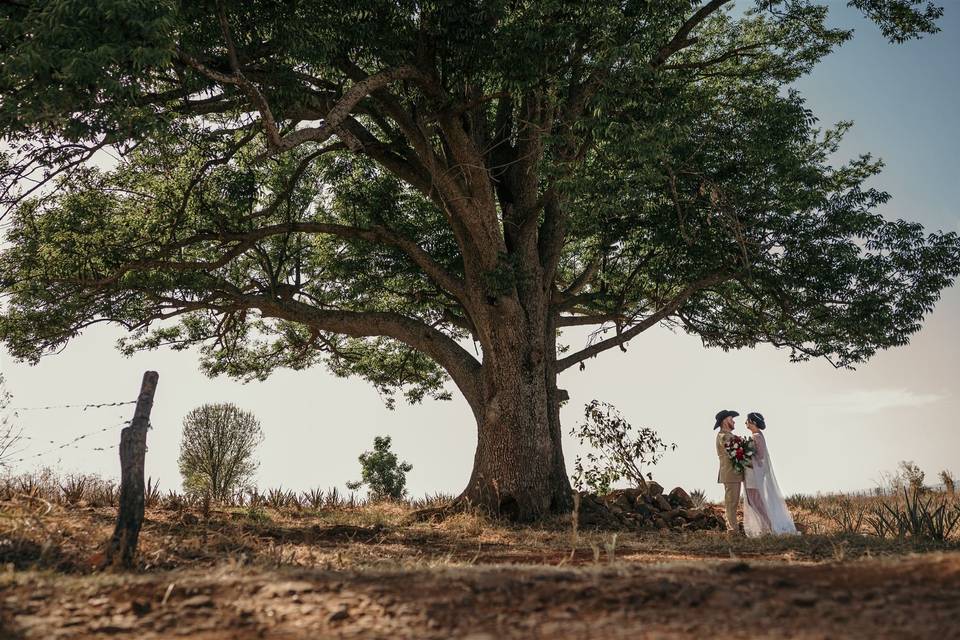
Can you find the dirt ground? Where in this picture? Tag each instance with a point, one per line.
(372, 575)
(915, 597)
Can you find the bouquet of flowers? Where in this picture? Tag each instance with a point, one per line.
(741, 451)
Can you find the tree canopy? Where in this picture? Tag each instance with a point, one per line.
(376, 185)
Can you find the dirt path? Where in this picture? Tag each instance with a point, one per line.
(912, 597)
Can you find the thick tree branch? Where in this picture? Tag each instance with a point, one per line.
(702, 64)
(623, 336)
(681, 39)
(333, 120)
(244, 241)
(462, 367)
(582, 280)
(575, 321)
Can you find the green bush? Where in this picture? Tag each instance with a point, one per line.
(618, 453)
(384, 475)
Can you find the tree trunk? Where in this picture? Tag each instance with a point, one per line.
(518, 470)
(133, 448)
(561, 496)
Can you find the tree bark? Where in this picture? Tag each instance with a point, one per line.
(133, 447)
(518, 470)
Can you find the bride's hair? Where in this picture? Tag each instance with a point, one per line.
(757, 419)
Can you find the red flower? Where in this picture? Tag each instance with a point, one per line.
(739, 454)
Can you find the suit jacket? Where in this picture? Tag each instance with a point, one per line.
(728, 473)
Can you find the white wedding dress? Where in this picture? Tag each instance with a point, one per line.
(764, 509)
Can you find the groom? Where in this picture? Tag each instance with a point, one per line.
(728, 476)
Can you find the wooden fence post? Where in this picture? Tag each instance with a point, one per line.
(133, 448)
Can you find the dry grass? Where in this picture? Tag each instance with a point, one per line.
(924, 515)
(53, 524)
(346, 569)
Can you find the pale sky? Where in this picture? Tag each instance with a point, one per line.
(828, 430)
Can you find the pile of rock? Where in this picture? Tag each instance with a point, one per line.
(649, 509)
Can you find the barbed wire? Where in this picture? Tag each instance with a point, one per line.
(83, 407)
(70, 442)
(44, 438)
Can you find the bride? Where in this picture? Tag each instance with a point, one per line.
(764, 510)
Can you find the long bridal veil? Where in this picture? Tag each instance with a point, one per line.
(781, 522)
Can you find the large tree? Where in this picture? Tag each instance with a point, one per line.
(376, 184)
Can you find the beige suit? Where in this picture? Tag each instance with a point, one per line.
(731, 479)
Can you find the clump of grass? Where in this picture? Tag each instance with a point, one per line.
(151, 494)
(432, 501)
(255, 498)
(333, 500)
(466, 523)
(103, 493)
(277, 498)
(845, 514)
(803, 501)
(699, 498)
(257, 514)
(313, 498)
(73, 489)
(173, 501)
(917, 517)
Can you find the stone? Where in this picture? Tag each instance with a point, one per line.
(140, 607)
(805, 599)
(114, 625)
(623, 501)
(663, 504)
(280, 589)
(681, 498)
(340, 614)
(197, 602)
(654, 489)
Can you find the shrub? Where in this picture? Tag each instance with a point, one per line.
(384, 475)
(912, 475)
(949, 482)
(619, 453)
(216, 450)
